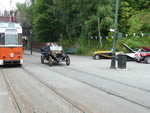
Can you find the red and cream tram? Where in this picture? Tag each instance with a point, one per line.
(11, 50)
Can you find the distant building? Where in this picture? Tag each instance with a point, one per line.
(7, 16)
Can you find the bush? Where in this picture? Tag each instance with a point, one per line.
(87, 47)
(134, 42)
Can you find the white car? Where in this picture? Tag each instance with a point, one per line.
(131, 54)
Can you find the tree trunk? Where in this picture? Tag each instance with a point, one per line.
(68, 33)
(99, 34)
(89, 43)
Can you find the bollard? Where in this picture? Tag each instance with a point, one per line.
(122, 59)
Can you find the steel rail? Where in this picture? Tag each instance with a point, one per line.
(102, 89)
(108, 79)
(104, 78)
(14, 101)
(77, 105)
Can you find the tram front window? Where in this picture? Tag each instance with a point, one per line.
(11, 40)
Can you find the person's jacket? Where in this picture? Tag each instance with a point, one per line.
(45, 49)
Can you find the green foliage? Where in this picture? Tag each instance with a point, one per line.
(68, 21)
(134, 42)
(21, 7)
(134, 16)
(140, 22)
(24, 14)
(125, 13)
(86, 46)
(45, 25)
(134, 24)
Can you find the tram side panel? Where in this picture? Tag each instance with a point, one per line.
(11, 55)
(20, 41)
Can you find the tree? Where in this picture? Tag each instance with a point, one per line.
(24, 14)
(125, 12)
(45, 25)
(140, 22)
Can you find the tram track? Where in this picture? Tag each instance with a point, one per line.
(99, 88)
(77, 105)
(14, 101)
(104, 78)
(104, 90)
(108, 79)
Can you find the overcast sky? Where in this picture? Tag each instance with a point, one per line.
(5, 4)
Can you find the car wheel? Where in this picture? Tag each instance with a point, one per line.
(67, 60)
(97, 57)
(138, 60)
(147, 59)
(42, 59)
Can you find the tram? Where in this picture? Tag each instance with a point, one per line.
(11, 49)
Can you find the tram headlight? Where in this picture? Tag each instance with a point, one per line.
(21, 61)
(11, 55)
(1, 62)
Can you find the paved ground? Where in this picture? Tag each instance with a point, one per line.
(86, 86)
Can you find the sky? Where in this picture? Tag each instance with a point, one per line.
(5, 4)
